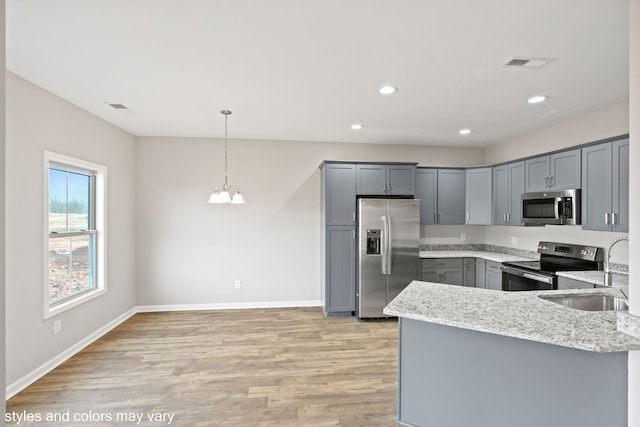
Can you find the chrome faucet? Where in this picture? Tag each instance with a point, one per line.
(607, 270)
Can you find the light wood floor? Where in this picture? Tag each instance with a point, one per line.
(272, 367)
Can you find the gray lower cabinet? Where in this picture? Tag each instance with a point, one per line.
(469, 272)
(481, 273)
(340, 271)
(605, 186)
(567, 283)
(442, 270)
(493, 275)
(442, 195)
(478, 196)
(557, 171)
(386, 179)
(508, 186)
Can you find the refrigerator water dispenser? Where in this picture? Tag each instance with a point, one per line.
(373, 242)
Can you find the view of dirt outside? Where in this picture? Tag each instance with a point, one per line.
(69, 260)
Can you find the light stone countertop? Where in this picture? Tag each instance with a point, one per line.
(596, 277)
(514, 314)
(491, 256)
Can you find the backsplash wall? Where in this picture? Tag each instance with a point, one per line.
(523, 238)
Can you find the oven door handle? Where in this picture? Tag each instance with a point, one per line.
(526, 275)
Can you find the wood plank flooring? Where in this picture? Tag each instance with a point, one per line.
(259, 367)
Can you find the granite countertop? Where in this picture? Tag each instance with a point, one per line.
(596, 277)
(516, 314)
(491, 256)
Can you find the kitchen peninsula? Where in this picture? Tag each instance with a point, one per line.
(472, 356)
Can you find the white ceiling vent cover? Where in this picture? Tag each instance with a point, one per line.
(117, 106)
(524, 62)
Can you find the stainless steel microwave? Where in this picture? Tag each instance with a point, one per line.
(551, 207)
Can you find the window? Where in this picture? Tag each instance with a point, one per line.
(75, 210)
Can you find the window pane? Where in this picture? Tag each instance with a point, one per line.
(57, 201)
(70, 266)
(78, 201)
(69, 201)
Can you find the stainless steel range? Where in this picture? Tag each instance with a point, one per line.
(541, 275)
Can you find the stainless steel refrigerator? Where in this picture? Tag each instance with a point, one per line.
(388, 252)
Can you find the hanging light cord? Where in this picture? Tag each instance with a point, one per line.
(226, 116)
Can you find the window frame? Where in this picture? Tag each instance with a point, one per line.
(98, 200)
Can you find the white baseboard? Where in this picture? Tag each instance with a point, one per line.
(19, 385)
(228, 306)
(33, 376)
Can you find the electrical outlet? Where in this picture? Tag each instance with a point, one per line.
(463, 237)
(237, 284)
(514, 241)
(57, 327)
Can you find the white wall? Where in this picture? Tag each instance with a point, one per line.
(190, 252)
(36, 121)
(2, 215)
(634, 208)
(605, 123)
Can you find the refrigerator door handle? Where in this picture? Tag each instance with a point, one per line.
(385, 245)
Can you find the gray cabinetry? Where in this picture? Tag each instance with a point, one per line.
(508, 186)
(469, 272)
(338, 252)
(339, 193)
(340, 271)
(478, 196)
(480, 273)
(558, 171)
(442, 270)
(442, 195)
(385, 179)
(493, 275)
(605, 186)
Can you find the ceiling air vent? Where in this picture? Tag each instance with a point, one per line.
(117, 106)
(524, 62)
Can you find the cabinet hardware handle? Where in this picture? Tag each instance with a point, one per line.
(508, 216)
(468, 216)
(353, 234)
(606, 218)
(546, 181)
(353, 216)
(613, 218)
(504, 217)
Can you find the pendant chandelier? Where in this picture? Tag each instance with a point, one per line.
(221, 194)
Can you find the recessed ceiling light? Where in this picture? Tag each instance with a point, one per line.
(387, 90)
(537, 99)
(357, 126)
(464, 131)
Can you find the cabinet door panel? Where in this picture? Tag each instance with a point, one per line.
(516, 188)
(340, 269)
(500, 194)
(452, 276)
(596, 187)
(565, 170)
(478, 196)
(371, 179)
(451, 196)
(430, 275)
(537, 174)
(340, 194)
(620, 188)
(401, 179)
(427, 192)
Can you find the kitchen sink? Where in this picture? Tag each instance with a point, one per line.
(595, 302)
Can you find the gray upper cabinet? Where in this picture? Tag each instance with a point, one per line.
(558, 171)
(442, 195)
(508, 186)
(478, 196)
(605, 186)
(339, 193)
(386, 179)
